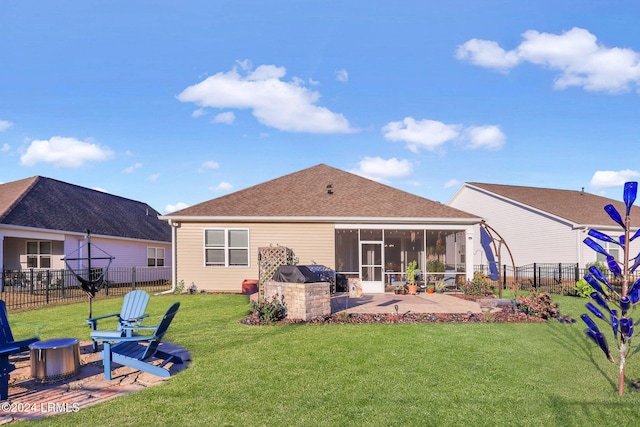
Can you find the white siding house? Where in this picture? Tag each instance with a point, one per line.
(541, 225)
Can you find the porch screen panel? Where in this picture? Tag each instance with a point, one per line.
(347, 251)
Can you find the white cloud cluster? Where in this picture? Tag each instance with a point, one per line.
(605, 179)
(284, 105)
(379, 169)
(64, 152)
(576, 54)
(226, 118)
(173, 208)
(431, 134)
(4, 125)
(342, 76)
(132, 168)
(223, 186)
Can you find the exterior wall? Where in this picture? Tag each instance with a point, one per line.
(309, 241)
(304, 301)
(127, 252)
(530, 235)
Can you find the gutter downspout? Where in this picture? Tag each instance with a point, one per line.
(174, 261)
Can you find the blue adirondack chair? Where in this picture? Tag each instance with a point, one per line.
(8, 346)
(130, 316)
(138, 351)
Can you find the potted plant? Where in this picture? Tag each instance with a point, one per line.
(400, 289)
(439, 286)
(410, 272)
(430, 289)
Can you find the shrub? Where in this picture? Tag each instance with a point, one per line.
(583, 289)
(479, 286)
(538, 304)
(267, 311)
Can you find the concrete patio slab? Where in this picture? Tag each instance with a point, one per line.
(386, 303)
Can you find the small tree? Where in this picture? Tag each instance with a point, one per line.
(606, 296)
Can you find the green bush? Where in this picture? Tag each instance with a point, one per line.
(267, 311)
(583, 289)
(479, 286)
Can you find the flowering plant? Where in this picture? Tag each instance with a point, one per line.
(538, 304)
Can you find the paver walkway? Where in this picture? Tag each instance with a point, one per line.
(420, 303)
(32, 399)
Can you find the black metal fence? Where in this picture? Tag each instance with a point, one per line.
(553, 278)
(37, 287)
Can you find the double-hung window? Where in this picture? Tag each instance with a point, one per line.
(226, 247)
(155, 257)
(38, 254)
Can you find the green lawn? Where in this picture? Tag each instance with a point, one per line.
(487, 374)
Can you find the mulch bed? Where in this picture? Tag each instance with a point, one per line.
(504, 314)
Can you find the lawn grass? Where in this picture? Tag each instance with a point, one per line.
(434, 374)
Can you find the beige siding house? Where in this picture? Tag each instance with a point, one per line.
(543, 225)
(327, 216)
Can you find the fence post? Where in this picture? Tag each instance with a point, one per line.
(47, 281)
(133, 278)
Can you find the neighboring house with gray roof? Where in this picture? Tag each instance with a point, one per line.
(357, 226)
(543, 225)
(43, 220)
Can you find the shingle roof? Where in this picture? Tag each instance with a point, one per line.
(46, 203)
(578, 207)
(305, 194)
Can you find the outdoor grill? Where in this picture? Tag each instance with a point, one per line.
(310, 274)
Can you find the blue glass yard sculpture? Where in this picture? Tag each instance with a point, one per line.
(614, 306)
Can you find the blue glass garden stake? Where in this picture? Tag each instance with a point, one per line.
(636, 234)
(601, 236)
(593, 309)
(595, 246)
(624, 327)
(615, 215)
(595, 284)
(598, 275)
(634, 295)
(590, 323)
(614, 322)
(600, 301)
(630, 191)
(614, 266)
(625, 304)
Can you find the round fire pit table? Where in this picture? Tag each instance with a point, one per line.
(56, 359)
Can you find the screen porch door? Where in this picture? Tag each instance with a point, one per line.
(371, 267)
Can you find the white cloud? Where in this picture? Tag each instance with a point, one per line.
(172, 208)
(486, 53)
(199, 112)
(223, 186)
(5, 148)
(132, 168)
(227, 118)
(380, 169)
(4, 125)
(604, 179)
(210, 164)
(432, 134)
(429, 134)
(64, 152)
(153, 177)
(576, 54)
(342, 76)
(100, 189)
(287, 106)
(489, 137)
(451, 183)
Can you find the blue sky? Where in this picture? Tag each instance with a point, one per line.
(175, 103)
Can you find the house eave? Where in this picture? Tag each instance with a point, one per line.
(60, 234)
(325, 219)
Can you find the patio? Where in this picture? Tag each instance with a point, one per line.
(31, 399)
(420, 303)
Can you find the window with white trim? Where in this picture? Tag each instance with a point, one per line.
(155, 257)
(39, 254)
(611, 248)
(226, 247)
